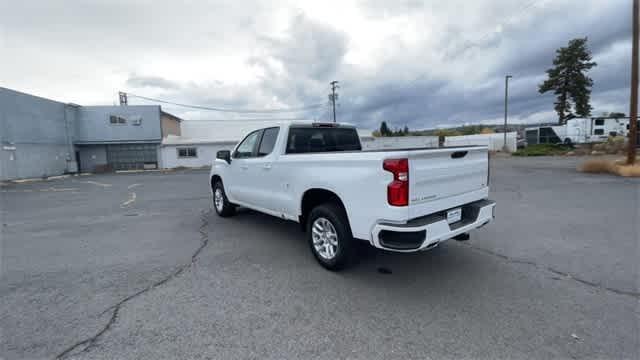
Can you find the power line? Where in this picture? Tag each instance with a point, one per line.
(239, 111)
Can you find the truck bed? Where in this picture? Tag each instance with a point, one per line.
(425, 148)
(396, 149)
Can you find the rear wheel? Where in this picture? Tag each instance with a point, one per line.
(568, 142)
(329, 236)
(220, 202)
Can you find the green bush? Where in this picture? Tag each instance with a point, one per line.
(543, 150)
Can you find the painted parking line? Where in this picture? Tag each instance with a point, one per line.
(52, 189)
(97, 183)
(131, 200)
(58, 189)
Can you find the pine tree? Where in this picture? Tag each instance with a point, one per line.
(569, 81)
(384, 129)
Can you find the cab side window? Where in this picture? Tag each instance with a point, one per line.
(268, 141)
(247, 147)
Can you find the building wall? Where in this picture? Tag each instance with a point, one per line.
(92, 156)
(206, 153)
(33, 136)
(33, 161)
(169, 125)
(495, 142)
(376, 143)
(93, 126)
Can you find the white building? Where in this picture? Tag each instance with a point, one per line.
(177, 151)
(200, 140)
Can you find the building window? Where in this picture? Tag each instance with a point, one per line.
(599, 122)
(117, 120)
(187, 152)
(598, 132)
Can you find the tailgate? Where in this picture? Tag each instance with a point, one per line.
(438, 174)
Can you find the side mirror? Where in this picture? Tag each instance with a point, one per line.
(224, 155)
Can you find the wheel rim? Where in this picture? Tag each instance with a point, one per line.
(218, 199)
(325, 238)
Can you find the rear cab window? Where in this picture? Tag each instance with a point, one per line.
(319, 139)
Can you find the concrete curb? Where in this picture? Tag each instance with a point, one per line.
(50, 178)
(140, 171)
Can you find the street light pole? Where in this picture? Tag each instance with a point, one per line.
(506, 98)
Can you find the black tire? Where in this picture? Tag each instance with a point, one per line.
(568, 142)
(344, 249)
(225, 208)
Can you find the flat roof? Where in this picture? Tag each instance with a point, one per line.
(170, 115)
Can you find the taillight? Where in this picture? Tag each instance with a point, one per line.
(398, 189)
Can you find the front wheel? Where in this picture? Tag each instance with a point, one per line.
(220, 202)
(329, 236)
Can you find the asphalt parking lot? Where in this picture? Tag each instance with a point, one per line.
(137, 266)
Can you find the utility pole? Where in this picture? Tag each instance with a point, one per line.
(506, 98)
(123, 98)
(633, 112)
(333, 97)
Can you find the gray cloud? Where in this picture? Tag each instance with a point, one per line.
(138, 81)
(409, 62)
(525, 52)
(310, 50)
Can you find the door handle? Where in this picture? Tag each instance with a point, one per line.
(266, 166)
(244, 167)
(459, 154)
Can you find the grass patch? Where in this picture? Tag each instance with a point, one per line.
(543, 150)
(604, 166)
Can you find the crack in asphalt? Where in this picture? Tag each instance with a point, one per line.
(88, 343)
(567, 275)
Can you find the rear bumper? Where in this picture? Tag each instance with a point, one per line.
(428, 231)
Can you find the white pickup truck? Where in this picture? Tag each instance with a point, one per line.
(318, 175)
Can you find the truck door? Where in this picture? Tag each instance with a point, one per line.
(239, 185)
(267, 191)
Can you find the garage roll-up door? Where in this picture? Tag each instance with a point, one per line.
(132, 156)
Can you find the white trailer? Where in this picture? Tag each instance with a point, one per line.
(578, 131)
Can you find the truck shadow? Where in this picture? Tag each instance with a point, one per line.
(448, 261)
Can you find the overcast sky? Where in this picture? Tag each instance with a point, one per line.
(417, 63)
